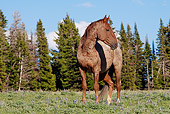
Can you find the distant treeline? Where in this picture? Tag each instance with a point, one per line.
(25, 63)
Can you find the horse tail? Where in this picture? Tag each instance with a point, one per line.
(103, 92)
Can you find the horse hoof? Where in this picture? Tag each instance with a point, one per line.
(118, 100)
(85, 101)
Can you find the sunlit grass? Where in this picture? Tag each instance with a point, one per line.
(69, 102)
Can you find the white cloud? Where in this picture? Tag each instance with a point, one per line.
(87, 4)
(52, 35)
(50, 38)
(82, 27)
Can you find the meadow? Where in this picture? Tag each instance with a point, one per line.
(69, 102)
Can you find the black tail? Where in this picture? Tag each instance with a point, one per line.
(103, 92)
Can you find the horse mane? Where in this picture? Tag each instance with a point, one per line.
(84, 37)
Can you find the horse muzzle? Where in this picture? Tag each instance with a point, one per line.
(113, 45)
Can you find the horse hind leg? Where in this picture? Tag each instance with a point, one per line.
(118, 83)
(117, 62)
(84, 85)
(118, 80)
(111, 86)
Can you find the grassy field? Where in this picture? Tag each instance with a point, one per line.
(69, 102)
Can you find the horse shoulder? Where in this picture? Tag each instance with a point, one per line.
(88, 60)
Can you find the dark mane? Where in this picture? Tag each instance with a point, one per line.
(90, 26)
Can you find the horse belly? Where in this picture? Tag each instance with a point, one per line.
(105, 54)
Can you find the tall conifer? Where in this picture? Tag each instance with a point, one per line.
(66, 61)
(124, 47)
(131, 58)
(163, 51)
(47, 79)
(14, 38)
(139, 60)
(3, 50)
(20, 55)
(147, 65)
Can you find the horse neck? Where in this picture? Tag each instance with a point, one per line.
(89, 38)
(89, 44)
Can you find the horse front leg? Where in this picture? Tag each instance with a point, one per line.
(96, 86)
(84, 85)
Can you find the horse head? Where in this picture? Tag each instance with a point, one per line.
(105, 33)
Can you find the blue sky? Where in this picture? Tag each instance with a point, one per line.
(146, 13)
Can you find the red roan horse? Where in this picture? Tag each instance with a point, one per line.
(98, 52)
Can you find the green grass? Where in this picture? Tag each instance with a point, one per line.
(66, 102)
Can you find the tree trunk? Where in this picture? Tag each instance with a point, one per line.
(20, 76)
(163, 68)
(152, 76)
(148, 75)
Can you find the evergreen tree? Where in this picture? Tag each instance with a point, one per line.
(163, 55)
(132, 54)
(147, 66)
(166, 59)
(167, 84)
(47, 79)
(2, 64)
(131, 58)
(139, 60)
(155, 80)
(162, 52)
(27, 74)
(32, 76)
(20, 59)
(3, 49)
(124, 57)
(128, 69)
(14, 38)
(66, 60)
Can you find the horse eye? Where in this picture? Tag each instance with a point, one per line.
(107, 29)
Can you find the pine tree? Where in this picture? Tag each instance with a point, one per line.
(131, 58)
(147, 57)
(27, 74)
(3, 49)
(32, 76)
(154, 71)
(2, 64)
(128, 69)
(124, 49)
(132, 54)
(166, 59)
(161, 52)
(47, 79)
(139, 60)
(66, 61)
(15, 34)
(20, 59)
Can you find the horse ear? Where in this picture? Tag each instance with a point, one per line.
(105, 18)
(108, 19)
